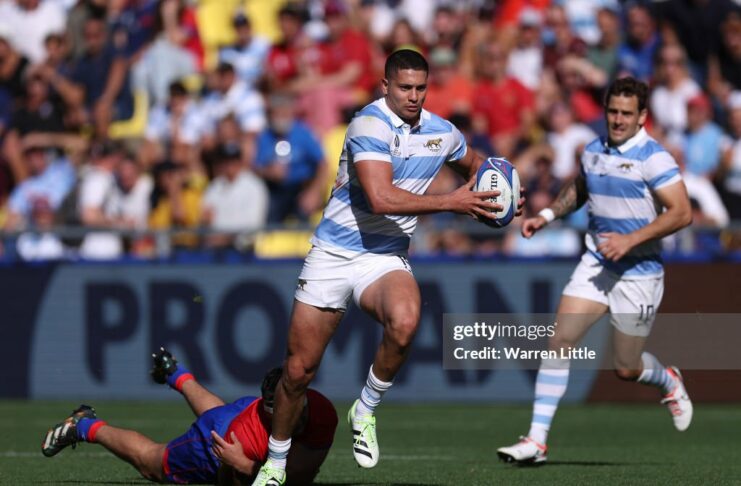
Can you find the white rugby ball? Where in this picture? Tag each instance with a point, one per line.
(497, 174)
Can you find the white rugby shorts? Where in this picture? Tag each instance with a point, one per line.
(328, 280)
(632, 303)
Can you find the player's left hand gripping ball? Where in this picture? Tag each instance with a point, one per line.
(497, 174)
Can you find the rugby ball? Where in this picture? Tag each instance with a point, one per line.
(498, 174)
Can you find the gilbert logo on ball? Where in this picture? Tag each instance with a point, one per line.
(497, 174)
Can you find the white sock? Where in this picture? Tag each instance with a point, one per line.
(371, 395)
(278, 452)
(654, 373)
(550, 386)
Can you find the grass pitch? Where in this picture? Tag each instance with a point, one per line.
(423, 445)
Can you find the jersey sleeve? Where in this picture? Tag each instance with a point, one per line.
(459, 147)
(369, 138)
(661, 170)
(319, 432)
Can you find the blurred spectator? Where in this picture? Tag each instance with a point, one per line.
(30, 21)
(133, 24)
(230, 96)
(604, 54)
(12, 65)
(103, 73)
(56, 70)
(636, 54)
(166, 59)
(579, 84)
(180, 25)
(175, 202)
(36, 113)
(704, 140)
(235, 201)
(286, 58)
(526, 58)
(248, 53)
(291, 161)
(505, 104)
(674, 89)
(730, 173)
(342, 76)
(694, 24)
(724, 74)
(99, 204)
(76, 19)
(172, 128)
(40, 243)
(476, 139)
(708, 208)
(582, 15)
(478, 31)
(561, 41)
(447, 91)
(403, 36)
(135, 186)
(51, 177)
(567, 138)
(447, 27)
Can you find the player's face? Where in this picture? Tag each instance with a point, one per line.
(405, 93)
(624, 119)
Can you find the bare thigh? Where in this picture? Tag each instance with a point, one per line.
(574, 317)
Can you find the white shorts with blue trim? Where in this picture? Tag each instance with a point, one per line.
(328, 280)
(632, 303)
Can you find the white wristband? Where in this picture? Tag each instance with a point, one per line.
(547, 214)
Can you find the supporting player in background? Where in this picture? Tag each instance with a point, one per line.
(226, 444)
(624, 180)
(393, 149)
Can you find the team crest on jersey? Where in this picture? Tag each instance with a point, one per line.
(625, 167)
(396, 151)
(434, 144)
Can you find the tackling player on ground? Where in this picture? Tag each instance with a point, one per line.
(625, 180)
(226, 444)
(393, 149)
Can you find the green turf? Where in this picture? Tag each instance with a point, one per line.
(424, 445)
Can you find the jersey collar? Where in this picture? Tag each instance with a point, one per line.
(631, 142)
(395, 120)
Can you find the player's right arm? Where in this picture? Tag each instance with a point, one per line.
(571, 197)
(368, 143)
(383, 197)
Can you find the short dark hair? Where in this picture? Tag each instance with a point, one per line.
(629, 86)
(405, 59)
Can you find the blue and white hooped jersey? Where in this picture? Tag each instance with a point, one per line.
(348, 226)
(621, 182)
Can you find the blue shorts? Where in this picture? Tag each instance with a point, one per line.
(188, 459)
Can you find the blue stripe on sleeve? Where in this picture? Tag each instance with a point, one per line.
(663, 177)
(367, 144)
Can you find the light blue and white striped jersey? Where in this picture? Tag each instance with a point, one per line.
(416, 154)
(621, 182)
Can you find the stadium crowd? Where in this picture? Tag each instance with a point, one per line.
(208, 121)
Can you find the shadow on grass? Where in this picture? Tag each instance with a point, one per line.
(364, 483)
(586, 463)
